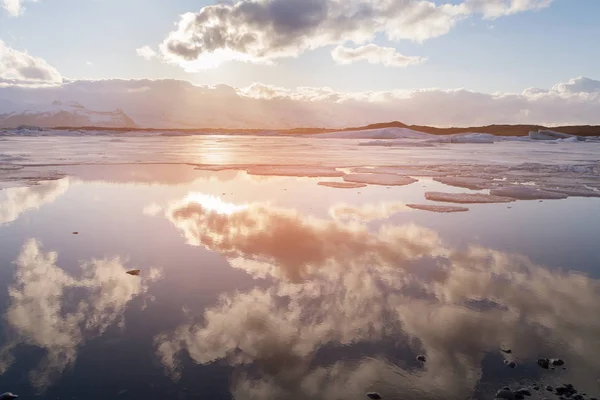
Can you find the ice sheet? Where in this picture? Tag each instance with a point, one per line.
(342, 185)
(527, 193)
(380, 179)
(437, 209)
(568, 168)
(466, 198)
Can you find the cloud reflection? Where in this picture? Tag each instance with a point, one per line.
(339, 284)
(16, 201)
(43, 314)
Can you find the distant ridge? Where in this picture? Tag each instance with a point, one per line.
(498, 130)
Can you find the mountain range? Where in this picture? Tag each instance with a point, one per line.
(69, 114)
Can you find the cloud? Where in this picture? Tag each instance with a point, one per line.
(16, 201)
(15, 8)
(386, 56)
(21, 68)
(149, 103)
(498, 8)
(361, 287)
(261, 31)
(146, 52)
(41, 312)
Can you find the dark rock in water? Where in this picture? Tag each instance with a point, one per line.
(507, 351)
(556, 361)
(512, 364)
(578, 397)
(505, 362)
(549, 388)
(134, 272)
(75, 233)
(505, 394)
(421, 358)
(8, 396)
(561, 390)
(519, 396)
(374, 395)
(544, 363)
(505, 388)
(524, 392)
(536, 387)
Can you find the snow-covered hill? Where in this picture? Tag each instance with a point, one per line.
(70, 114)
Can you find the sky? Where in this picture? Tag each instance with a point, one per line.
(347, 46)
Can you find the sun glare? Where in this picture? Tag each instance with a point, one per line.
(214, 203)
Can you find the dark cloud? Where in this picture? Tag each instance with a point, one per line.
(263, 30)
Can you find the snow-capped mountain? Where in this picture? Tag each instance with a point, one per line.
(69, 114)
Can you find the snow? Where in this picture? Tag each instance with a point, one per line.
(397, 143)
(549, 135)
(567, 169)
(342, 185)
(384, 143)
(294, 170)
(384, 133)
(467, 138)
(437, 209)
(380, 179)
(527, 193)
(65, 114)
(466, 198)
(466, 182)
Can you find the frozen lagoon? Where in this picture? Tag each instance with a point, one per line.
(257, 282)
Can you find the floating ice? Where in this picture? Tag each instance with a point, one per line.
(437, 209)
(384, 143)
(465, 198)
(342, 185)
(466, 182)
(384, 133)
(550, 135)
(575, 192)
(527, 193)
(380, 179)
(294, 170)
(467, 138)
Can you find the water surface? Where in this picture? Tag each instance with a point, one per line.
(270, 287)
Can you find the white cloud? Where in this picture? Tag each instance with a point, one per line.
(146, 52)
(386, 56)
(499, 8)
(22, 68)
(261, 31)
(150, 104)
(15, 8)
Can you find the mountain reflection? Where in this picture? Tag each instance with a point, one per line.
(338, 284)
(42, 312)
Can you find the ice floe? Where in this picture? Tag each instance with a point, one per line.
(437, 209)
(467, 182)
(466, 198)
(527, 193)
(380, 179)
(293, 170)
(384, 133)
(342, 185)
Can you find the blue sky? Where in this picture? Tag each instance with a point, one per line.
(528, 49)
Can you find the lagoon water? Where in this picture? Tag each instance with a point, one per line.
(259, 285)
